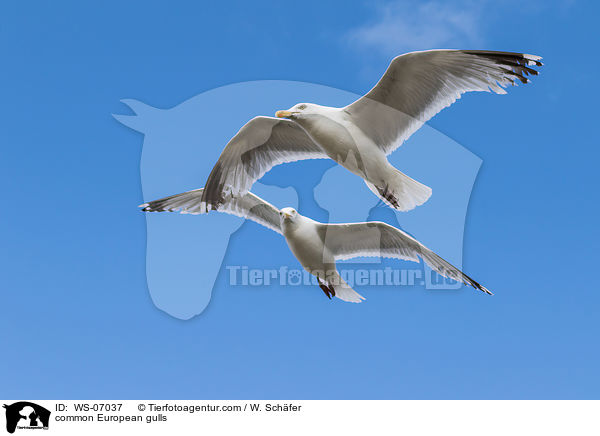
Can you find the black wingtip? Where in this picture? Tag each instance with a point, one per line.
(469, 281)
(481, 288)
(487, 291)
(151, 206)
(518, 64)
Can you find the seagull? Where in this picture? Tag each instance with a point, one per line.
(360, 136)
(318, 246)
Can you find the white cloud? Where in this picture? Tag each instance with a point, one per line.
(403, 26)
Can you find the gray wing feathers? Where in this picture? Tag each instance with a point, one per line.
(261, 144)
(247, 206)
(377, 239)
(418, 85)
(371, 239)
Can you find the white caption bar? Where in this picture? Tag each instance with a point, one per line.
(154, 417)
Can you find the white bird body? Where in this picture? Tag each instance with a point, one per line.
(304, 237)
(345, 143)
(318, 246)
(333, 131)
(415, 87)
(306, 242)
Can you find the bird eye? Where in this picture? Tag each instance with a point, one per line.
(301, 107)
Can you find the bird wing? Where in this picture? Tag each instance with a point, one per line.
(259, 145)
(418, 85)
(247, 206)
(377, 239)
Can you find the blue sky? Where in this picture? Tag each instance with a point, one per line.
(77, 317)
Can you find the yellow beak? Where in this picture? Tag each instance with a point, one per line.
(283, 114)
(286, 215)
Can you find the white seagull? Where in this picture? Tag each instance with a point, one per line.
(318, 246)
(415, 87)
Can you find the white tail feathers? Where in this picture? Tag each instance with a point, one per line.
(402, 193)
(344, 292)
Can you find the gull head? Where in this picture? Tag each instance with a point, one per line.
(288, 215)
(298, 110)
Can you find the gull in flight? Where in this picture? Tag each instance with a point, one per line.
(318, 246)
(360, 136)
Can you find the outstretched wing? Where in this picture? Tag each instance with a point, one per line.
(418, 85)
(247, 206)
(260, 145)
(377, 239)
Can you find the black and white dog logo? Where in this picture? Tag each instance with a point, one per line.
(26, 415)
